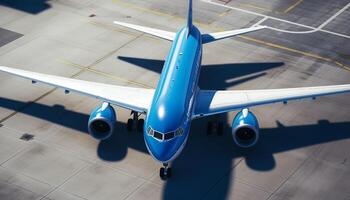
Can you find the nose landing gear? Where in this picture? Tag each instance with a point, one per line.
(165, 171)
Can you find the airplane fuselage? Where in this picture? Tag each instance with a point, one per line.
(169, 118)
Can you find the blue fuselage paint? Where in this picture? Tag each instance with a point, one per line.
(174, 97)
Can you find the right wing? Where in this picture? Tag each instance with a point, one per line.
(155, 32)
(210, 102)
(211, 37)
(137, 99)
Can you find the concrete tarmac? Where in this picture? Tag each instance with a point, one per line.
(46, 152)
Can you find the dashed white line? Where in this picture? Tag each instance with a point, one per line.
(265, 17)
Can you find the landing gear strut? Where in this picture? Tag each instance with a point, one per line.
(135, 122)
(165, 171)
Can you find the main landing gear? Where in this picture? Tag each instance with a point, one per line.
(165, 171)
(135, 122)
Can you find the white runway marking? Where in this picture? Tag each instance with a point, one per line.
(265, 17)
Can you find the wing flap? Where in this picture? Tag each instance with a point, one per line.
(211, 102)
(152, 31)
(137, 99)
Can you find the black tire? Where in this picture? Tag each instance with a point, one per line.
(209, 128)
(161, 173)
(140, 125)
(220, 128)
(129, 125)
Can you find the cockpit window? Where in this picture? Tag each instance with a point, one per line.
(179, 131)
(158, 135)
(169, 135)
(165, 136)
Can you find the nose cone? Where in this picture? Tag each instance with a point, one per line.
(163, 151)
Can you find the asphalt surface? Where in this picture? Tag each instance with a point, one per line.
(46, 152)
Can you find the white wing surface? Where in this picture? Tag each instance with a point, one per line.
(211, 37)
(137, 99)
(155, 32)
(211, 102)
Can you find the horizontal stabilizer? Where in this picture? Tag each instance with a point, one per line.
(211, 37)
(155, 32)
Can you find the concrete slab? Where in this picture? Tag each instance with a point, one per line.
(10, 144)
(20, 187)
(46, 164)
(314, 179)
(60, 195)
(237, 190)
(147, 191)
(99, 182)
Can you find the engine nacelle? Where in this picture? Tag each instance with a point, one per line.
(245, 129)
(102, 121)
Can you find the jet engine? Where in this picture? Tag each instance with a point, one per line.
(245, 129)
(102, 121)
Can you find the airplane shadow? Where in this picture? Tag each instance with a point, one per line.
(28, 6)
(217, 76)
(210, 159)
(206, 159)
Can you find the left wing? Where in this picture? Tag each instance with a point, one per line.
(210, 102)
(137, 99)
(211, 37)
(152, 31)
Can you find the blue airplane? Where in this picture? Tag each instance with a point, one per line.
(177, 99)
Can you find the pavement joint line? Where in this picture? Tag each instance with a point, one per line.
(65, 181)
(292, 6)
(308, 54)
(220, 178)
(314, 29)
(27, 176)
(240, 180)
(294, 172)
(135, 190)
(14, 155)
(69, 63)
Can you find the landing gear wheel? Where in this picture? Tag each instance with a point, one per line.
(129, 125)
(165, 172)
(140, 124)
(162, 174)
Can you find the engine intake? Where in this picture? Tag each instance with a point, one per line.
(102, 121)
(245, 129)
